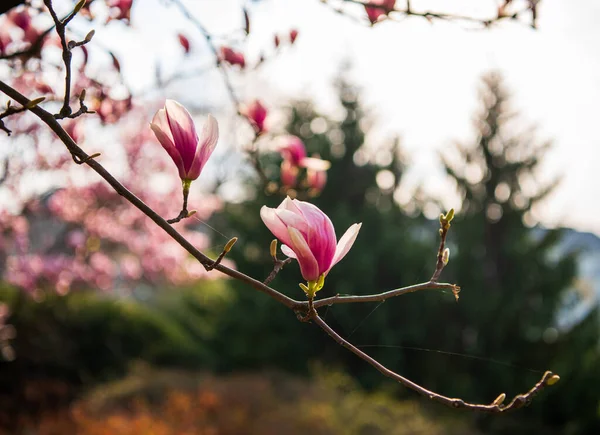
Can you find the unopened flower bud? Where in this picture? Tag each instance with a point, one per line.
(273, 249)
(499, 400)
(229, 245)
(446, 256)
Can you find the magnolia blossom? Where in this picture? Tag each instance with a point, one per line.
(288, 173)
(316, 179)
(293, 35)
(256, 114)
(175, 130)
(293, 150)
(184, 42)
(232, 57)
(308, 235)
(385, 7)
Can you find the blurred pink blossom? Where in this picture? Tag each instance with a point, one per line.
(232, 57)
(385, 7)
(256, 114)
(289, 173)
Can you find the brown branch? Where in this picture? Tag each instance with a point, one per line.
(278, 264)
(77, 152)
(379, 297)
(496, 406)
(12, 110)
(429, 15)
(60, 26)
(443, 253)
(7, 5)
(309, 307)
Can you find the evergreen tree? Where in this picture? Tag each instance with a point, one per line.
(512, 276)
(392, 250)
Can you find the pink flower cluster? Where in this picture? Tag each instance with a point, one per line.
(293, 151)
(380, 8)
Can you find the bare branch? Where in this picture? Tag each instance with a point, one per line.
(61, 25)
(429, 15)
(78, 153)
(495, 406)
(278, 264)
(309, 307)
(379, 297)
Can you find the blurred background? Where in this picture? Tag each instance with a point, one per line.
(107, 326)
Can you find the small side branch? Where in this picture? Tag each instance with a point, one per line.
(278, 264)
(443, 254)
(380, 297)
(61, 25)
(224, 252)
(12, 110)
(48, 119)
(496, 406)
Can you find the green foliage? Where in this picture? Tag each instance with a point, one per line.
(66, 343)
(513, 277)
(392, 250)
(175, 402)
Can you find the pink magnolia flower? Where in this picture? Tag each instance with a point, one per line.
(185, 43)
(5, 39)
(292, 149)
(308, 236)
(175, 130)
(386, 6)
(256, 114)
(288, 173)
(20, 18)
(121, 9)
(232, 57)
(316, 179)
(293, 35)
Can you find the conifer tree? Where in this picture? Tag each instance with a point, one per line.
(514, 277)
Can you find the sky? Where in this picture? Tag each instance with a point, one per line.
(419, 80)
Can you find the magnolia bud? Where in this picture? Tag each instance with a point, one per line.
(446, 256)
(229, 245)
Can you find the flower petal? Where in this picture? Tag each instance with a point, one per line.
(295, 220)
(321, 234)
(288, 251)
(160, 127)
(345, 243)
(208, 141)
(183, 130)
(274, 224)
(308, 264)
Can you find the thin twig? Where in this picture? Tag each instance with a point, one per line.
(309, 307)
(496, 406)
(278, 264)
(443, 253)
(60, 26)
(76, 151)
(429, 15)
(386, 295)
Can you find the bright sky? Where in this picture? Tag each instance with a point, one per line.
(419, 80)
